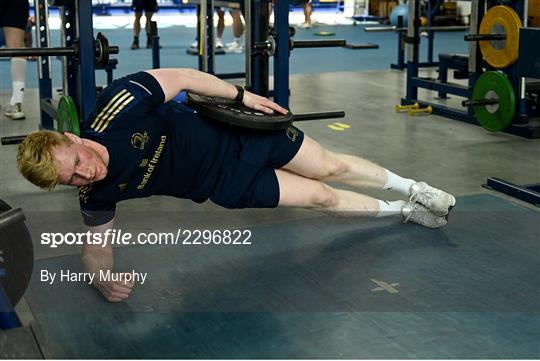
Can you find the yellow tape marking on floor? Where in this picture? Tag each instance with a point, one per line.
(336, 128)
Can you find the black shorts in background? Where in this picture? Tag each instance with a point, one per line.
(145, 5)
(14, 13)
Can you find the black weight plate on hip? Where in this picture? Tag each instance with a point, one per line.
(234, 113)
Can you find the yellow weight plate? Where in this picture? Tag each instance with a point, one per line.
(500, 19)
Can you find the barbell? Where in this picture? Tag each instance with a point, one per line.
(16, 253)
(269, 46)
(101, 44)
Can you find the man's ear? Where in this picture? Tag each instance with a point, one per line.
(73, 138)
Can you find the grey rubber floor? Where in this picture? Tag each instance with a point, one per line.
(315, 288)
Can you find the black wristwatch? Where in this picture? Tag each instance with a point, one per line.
(240, 95)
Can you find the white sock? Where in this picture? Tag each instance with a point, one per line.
(18, 78)
(387, 209)
(218, 40)
(399, 184)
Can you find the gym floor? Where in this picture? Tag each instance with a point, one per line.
(307, 286)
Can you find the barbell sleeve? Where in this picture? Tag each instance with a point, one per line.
(11, 216)
(114, 49)
(382, 29)
(12, 140)
(59, 51)
(318, 43)
(261, 45)
(484, 37)
(23, 52)
(320, 115)
(479, 102)
(386, 29)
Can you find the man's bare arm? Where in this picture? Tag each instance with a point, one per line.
(98, 259)
(95, 257)
(175, 80)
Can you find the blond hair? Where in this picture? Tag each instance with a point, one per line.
(34, 158)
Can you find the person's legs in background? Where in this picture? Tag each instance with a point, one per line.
(308, 10)
(148, 27)
(13, 19)
(28, 40)
(220, 28)
(236, 46)
(136, 27)
(150, 7)
(15, 39)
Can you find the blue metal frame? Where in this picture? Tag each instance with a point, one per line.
(430, 12)
(414, 82)
(70, 35)
(528, 193)
(281, 57)
(156, 61)
(400, 65)
(8, 317)
(257, 64)
(86, 69)
(45, 83)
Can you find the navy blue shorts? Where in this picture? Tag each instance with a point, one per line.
(250, 179)
(150, 6)
(14, 13)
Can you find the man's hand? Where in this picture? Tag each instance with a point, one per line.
(98, 258)
(262, 104)
(115, 291)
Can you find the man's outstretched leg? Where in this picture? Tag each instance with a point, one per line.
(298, 191)
(313, 161)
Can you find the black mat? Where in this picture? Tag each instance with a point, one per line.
(317, 288)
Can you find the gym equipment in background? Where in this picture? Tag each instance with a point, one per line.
(16, 263)
(493, 101)
(503, 99)
(400, 10)
(66, 116)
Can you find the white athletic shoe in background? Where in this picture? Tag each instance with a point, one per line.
(305, 26)
(194, 45)
(235, 47)
(15, 112)
(219, 44)
(417, 213)
(436, 200)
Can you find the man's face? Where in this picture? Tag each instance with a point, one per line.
(78, 164)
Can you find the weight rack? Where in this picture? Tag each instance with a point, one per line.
(521, 126)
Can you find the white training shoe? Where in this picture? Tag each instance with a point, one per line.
(417, 213)
(219, 44)
(235, 47)
(305, 26)
(194, 45)
(437, 201)
(15, 112)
